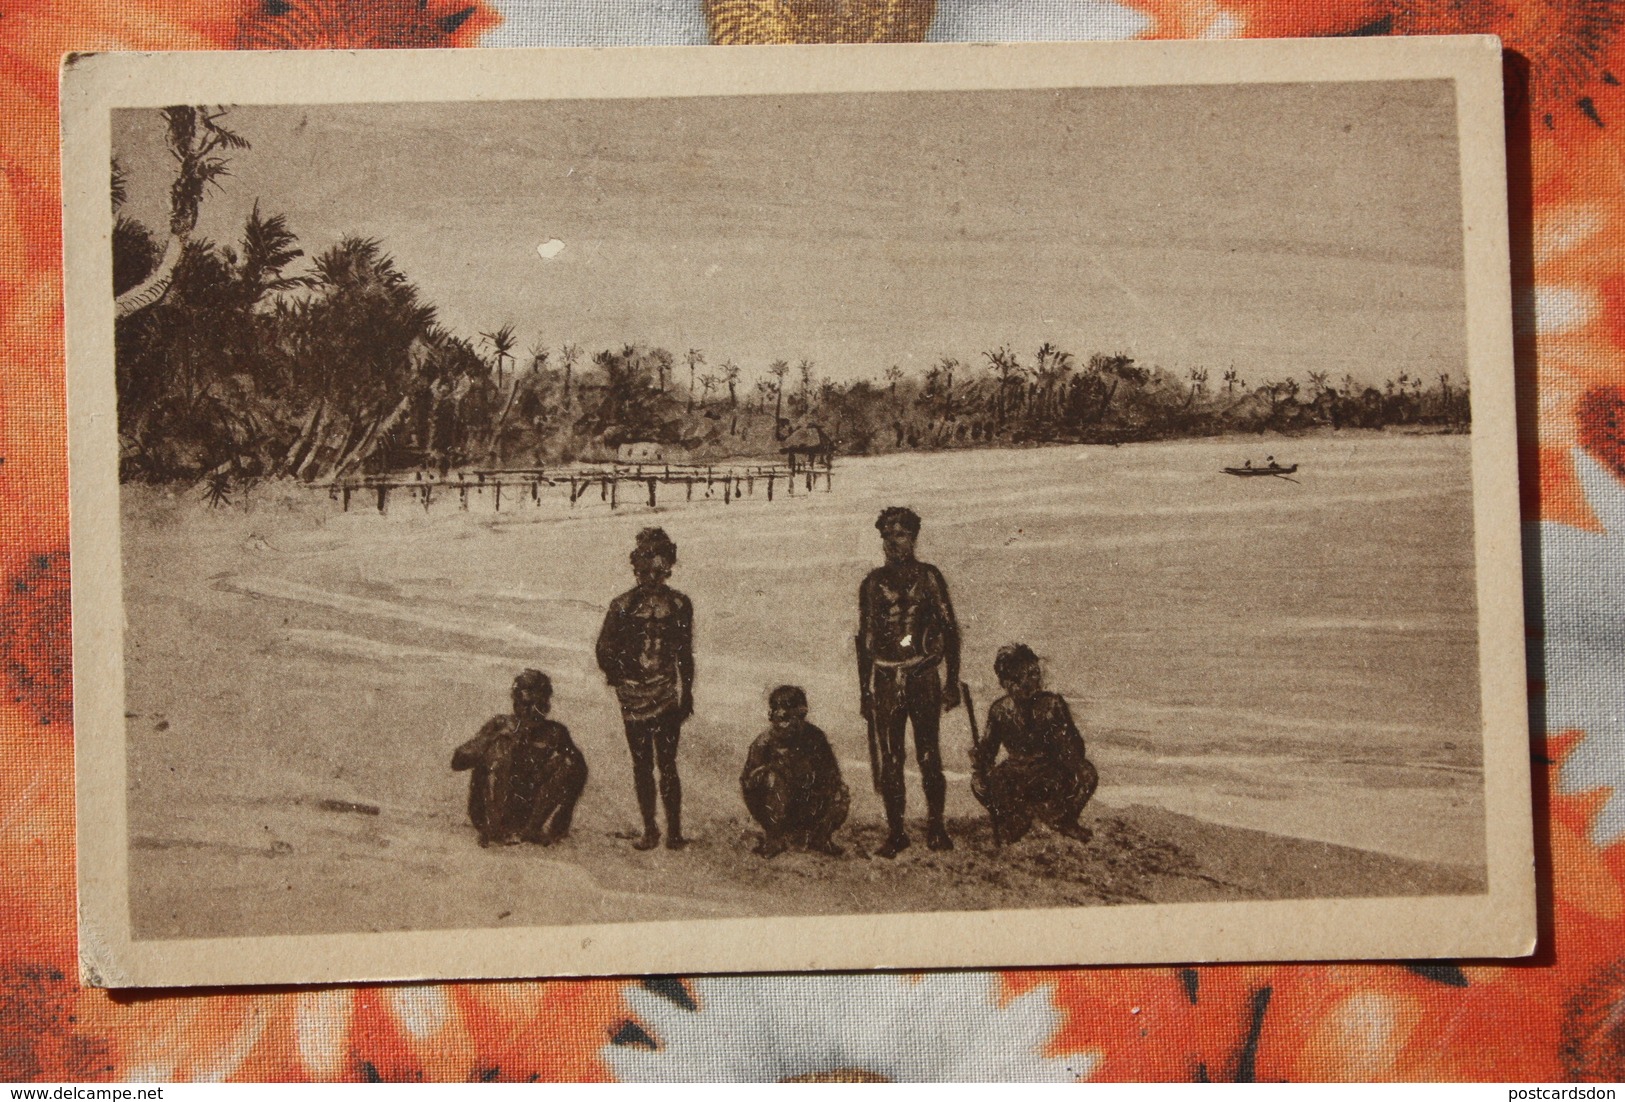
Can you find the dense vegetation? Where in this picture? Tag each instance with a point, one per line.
(251, 359)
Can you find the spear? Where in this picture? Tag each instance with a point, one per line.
(970, 712)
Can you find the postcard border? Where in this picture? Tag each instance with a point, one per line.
(1499, 923)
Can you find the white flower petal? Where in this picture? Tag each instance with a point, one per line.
(1034, 20)
(1563, 228)
(1604, 492)
(1583, 594)
(321, 1022)
(1560, 309)
(606, 23)
(1225, 25)
(1028, 1023)
(225, 1061)
(955, 1041)
(423, 1011)
(944, 1027)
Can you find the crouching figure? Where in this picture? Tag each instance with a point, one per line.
(1045, 776)
(792, 783)
(527, 772)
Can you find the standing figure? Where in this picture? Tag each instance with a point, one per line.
(527, 772)
(1045, 775)
(792, 783)
(646, 650)
(906, 630)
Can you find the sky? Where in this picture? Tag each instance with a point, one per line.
(1279, 229)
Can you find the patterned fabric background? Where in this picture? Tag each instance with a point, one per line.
(1561, 1016)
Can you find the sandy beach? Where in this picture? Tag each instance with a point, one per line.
(1277, 682)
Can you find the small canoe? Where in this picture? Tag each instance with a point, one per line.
(1246, 472)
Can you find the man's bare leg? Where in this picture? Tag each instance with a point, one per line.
(639, 739)
(925, 711)
(891, 720)
(670, 726)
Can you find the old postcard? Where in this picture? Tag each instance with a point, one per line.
(581, 512)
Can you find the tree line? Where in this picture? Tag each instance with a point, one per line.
(250, 359)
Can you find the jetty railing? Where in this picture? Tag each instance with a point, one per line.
(615, 482)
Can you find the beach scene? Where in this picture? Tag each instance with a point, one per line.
(1276, 681)
(1197, 435)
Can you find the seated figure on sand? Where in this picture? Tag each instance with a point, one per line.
(1045, 775)
(527, 772)
(792, 783)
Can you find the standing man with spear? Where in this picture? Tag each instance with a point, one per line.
(906, 631)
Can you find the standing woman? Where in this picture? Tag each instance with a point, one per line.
(646, 650)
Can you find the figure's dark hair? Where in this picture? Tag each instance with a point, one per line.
(534, 680)
(787, 696)
(652, 542)
(899, 514)
(1012, 659)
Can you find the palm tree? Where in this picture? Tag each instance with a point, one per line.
(1122, 368)
(120, 184)
(730, 375)
(805, 367)
(1002, 362)
(894, 375)
(694, 357)
(778, 369)
(1044, 369)
(663, 365)
(538, 362)
(571, 355)
(268, 246)
(367, 356)
(194, 136)
(948, 364)
(1231, 381)
(1061, 368)
(501, 342)
(708, 383)
(1198, 377)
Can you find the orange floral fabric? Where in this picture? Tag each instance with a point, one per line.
(1555, 1017)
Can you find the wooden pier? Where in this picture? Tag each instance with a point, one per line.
(616, 484)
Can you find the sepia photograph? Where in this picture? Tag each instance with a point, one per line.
(701, 510)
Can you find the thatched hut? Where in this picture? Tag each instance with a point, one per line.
(808, 446)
